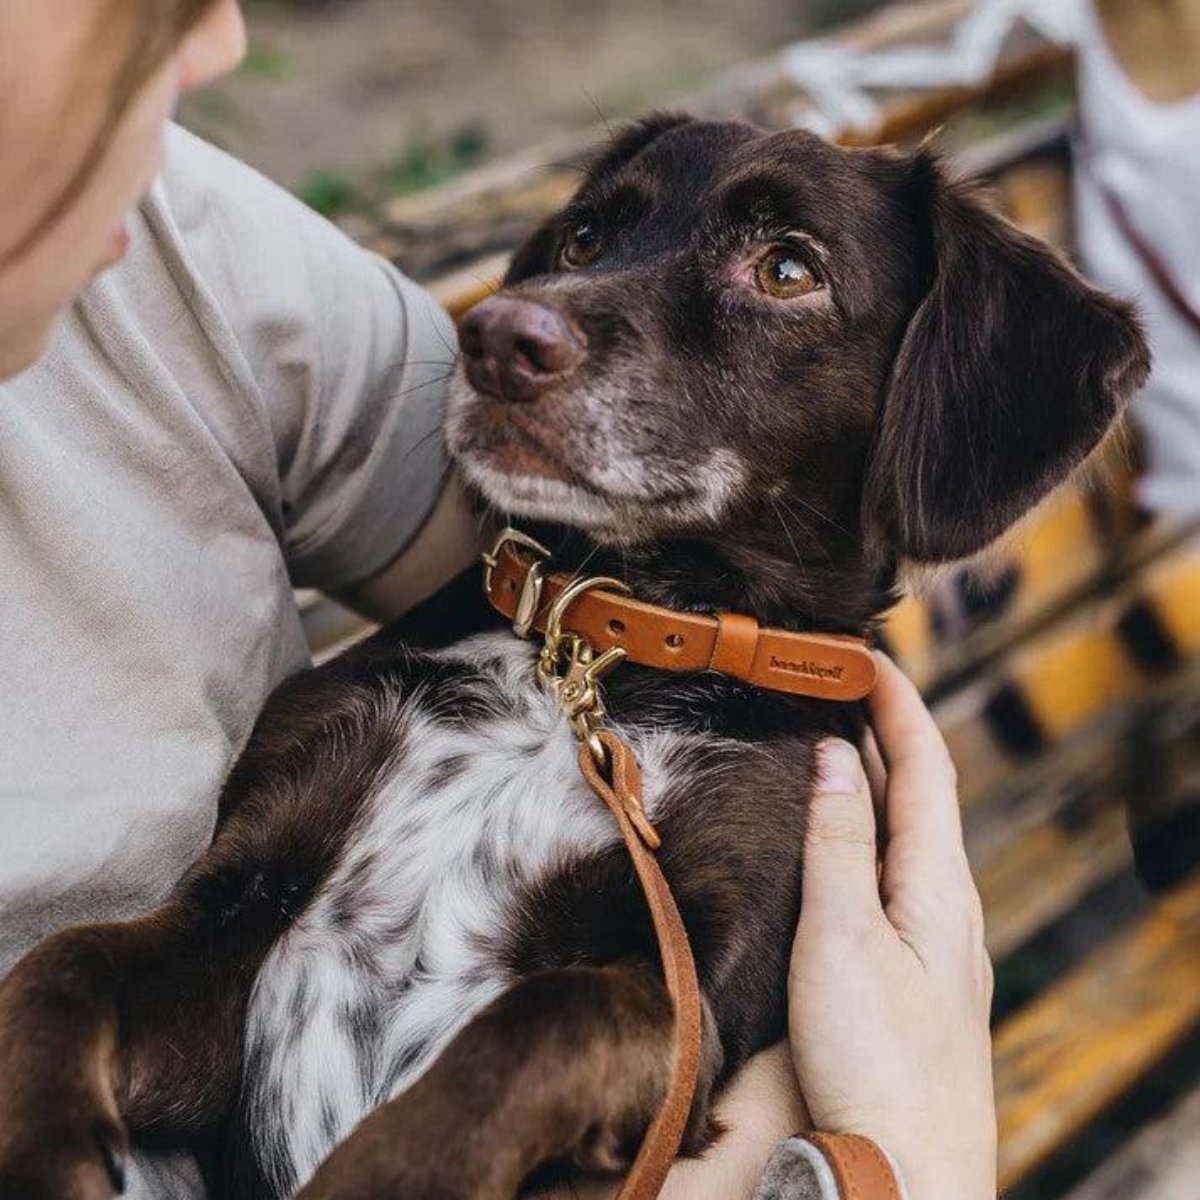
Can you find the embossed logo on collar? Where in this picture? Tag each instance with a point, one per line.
(813, 670)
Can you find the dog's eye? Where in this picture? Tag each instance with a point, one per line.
(784, 274)
(581, 245)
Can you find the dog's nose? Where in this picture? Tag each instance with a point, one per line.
(514, 347)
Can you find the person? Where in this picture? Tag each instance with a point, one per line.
(1138, 175)
(208, 396)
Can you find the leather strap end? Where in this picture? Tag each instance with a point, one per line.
(862, 1170)
(815, 1166)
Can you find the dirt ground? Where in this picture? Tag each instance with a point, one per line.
(377, 97)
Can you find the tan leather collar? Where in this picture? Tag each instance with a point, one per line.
(825, 666)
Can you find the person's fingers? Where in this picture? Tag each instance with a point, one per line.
(872, 762)
(840, 874)
(922, 794)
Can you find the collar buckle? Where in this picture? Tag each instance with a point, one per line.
(531, 587)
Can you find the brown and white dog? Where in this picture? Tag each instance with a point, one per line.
(741, 371)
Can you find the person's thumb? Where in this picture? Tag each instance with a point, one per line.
(840, 870)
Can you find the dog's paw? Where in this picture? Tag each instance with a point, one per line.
(796, 1171)
(60, 1160)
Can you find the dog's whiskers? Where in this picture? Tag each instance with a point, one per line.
(491, 285)
(420, 443)
(587, 558)
(816, 512)
(599, 112)
(430, 382)
(435, 314)
(805, 591)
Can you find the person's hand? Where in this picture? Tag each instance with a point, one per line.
(758, 1110)
(890, 984)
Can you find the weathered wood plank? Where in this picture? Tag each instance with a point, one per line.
(1050, 852)
(907, 118)
(1056, 555)
(1049, 835)
(1076, 1048)
(1069, 675)
(1162, 1162)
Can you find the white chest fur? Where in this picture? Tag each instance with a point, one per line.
(400, 948)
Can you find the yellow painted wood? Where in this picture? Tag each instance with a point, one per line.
(1081, 1044)
(982, 762)
(1059, 556)
(1174, 586)
(1059, 552)
(1037, 196)
(1073, 680)
(1045, 870)
(460, 292)
(1074, 677)
(910, 639)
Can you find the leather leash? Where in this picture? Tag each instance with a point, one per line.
(580, 616)
(622, 792)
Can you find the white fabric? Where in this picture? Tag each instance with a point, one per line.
(1147, 155)
(838, 77)
(248, 402)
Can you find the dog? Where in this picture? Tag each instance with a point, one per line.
(742, 372)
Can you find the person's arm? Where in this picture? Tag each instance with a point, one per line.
(891, 985)
(452, 537)
(337, 371)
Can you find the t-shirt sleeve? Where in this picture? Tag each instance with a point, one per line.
(350, 359)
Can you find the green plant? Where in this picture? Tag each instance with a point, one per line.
(428, 161)
(265, 61)
(329, 192)
(826, 14)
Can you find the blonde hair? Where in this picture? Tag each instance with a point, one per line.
(147, 32)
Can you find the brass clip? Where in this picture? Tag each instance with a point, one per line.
(570, 670)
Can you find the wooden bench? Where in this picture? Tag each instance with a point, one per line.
(1067, 681)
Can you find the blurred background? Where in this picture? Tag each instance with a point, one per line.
(1066, 673)
(353, 101)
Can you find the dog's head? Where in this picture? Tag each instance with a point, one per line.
(735, 336)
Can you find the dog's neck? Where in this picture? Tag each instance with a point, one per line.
(742, 571)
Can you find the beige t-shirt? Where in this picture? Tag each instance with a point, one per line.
(247, 403)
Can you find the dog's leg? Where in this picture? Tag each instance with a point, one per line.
(568, 1067)
(109, 1029)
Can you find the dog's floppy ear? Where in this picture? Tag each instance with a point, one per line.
(1010, 372)
(535, 256)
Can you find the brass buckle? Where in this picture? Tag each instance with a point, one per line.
(531, 588)
(570, 670)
